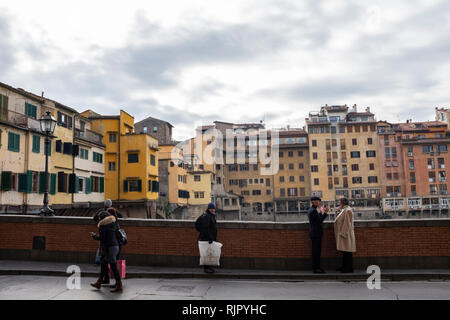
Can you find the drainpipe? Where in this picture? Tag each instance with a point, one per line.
(26, 164)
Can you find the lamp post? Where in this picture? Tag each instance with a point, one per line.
(48, 124)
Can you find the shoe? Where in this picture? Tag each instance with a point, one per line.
(105, 282)
(318, 271)
(97, 284)
(209, 270)
(118, 287)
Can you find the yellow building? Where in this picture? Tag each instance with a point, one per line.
(131, 164)
(344, 155)
(291, 182)
(199, 186)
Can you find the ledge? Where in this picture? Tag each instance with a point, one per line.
(7, 218)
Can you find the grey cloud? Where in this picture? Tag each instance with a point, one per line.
(7, 58)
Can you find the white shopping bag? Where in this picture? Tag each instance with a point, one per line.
(209, 253)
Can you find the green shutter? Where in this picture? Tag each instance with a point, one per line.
(23, 182)
(35, 112)
(36, 144)
(77, 179)
(6, 180)
(88, 181)
(13, 142)
(41, 181)
(53, 183)
(102, 184)
(29, 181)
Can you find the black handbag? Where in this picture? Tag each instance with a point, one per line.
(122, 237)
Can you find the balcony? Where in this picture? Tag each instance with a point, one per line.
(22, 120)
(89, 135)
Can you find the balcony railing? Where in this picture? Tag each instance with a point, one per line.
(23, 121)
(89, 136)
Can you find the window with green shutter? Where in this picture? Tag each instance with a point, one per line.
(29, 181)
(3, 107)
(30, 110)
(41, 181)
(102, 184)
(36, 144)
(88, 185)
(13, 142)
(53, 183)
(23, 184)
(6, 180)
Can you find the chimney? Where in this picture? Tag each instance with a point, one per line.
(354, 108)
(42, 95)
(368, 109)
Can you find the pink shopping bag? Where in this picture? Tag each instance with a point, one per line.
(121, 267)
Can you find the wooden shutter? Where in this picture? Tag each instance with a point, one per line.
(125, 185)
(67, 148)
(6, 180)
(41, 181)
(53, 183)
(36, 144)
(88, 182)
(3, 108)
(59, 118)
(75, 150)
(60, 181)
(77, 184)
(29, 181)
(72, 180)
(58, 146)
(22, 182)
(139, 185)
(102, 184)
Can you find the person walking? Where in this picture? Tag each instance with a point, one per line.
(110, 245)
(345, 235)
(207, 226)
(316, 216)
(102, 252)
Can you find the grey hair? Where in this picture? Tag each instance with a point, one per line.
(108, 203)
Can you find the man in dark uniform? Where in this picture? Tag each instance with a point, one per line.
(316, 216)
(206, 224)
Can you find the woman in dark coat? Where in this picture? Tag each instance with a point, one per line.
(110, 244)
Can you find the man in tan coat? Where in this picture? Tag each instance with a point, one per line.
(345, 235)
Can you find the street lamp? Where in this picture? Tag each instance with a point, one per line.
(48, 124)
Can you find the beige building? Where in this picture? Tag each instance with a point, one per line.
(344, 160)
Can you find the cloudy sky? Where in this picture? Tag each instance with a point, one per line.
(193, 62)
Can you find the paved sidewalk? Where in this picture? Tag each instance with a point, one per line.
(38, 268)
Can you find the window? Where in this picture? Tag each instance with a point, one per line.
(281, 154)
(301, 178)
(292, 192)
(281, 178)
(34, 182)
(144, 130)
(97, 157)
(315, 155)
(411, 164)
(134, 185)
(371, 154)
(371, 166)
(133, 158)
(152, 160)
(355, 154)
(355, 167)
(256, 192)
(80, 184)
(410, 151)
(412, 177)
(36, 144)
(314, 143)
(111, 166)
(155, 129)
(316, 181)
(357, 180)
(291, 166)
(291, 179)
(373, 179)
(314, 168)
(349, 129)
(281, 166)
(13, 142)
(3, 107)
(112, 137)
(84, 154)
(196, 177)
(300, 153)
(290, 153)
(354, 142)
(30, 110)
(300, 166)
(394, 152)
(387, 152)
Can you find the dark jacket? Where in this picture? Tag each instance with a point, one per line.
(107, 232)
(208, 227)
(315, 222)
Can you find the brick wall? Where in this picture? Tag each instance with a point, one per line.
(425, 243)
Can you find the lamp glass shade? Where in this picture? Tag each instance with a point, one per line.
(48, 123)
